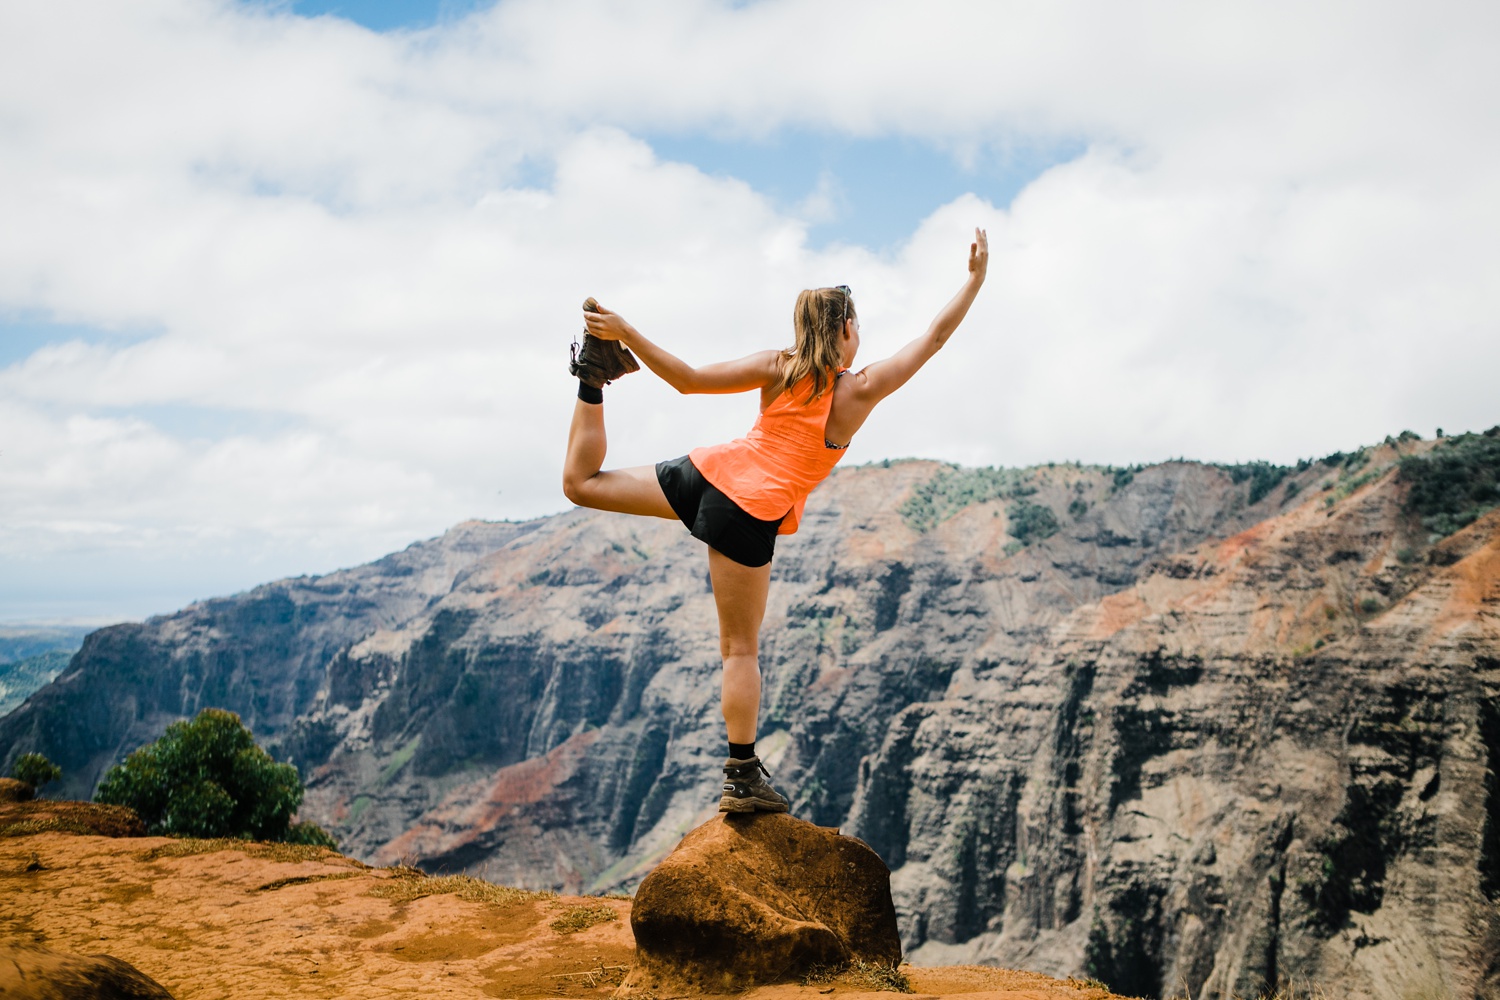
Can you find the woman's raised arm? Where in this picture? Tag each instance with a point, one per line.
(754, 371)
(878, 380)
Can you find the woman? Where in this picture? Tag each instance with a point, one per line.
(738, 497)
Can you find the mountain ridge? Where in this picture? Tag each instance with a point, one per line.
(1053, 733)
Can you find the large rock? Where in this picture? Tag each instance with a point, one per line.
(39, 974)
(762, 898)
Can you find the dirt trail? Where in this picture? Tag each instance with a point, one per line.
(212, 919)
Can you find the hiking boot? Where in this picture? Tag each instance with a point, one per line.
(746, 791)
(600, 362)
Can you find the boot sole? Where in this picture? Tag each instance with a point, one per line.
(730, 804)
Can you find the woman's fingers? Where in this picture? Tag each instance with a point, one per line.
(603, 325)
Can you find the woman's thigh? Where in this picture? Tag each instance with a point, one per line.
(740, 596)
(627, 491)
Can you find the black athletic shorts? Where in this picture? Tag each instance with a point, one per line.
(713, 518)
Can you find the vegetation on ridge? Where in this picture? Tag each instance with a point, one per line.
(1455, 482)
(207, 778)
(953, 488)
(35, 770)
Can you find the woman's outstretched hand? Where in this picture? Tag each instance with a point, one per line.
(979, 255)
(605, 325)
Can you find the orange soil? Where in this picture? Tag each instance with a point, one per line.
(254, 920)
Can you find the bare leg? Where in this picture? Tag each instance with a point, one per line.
(629, 491)
(740, 595)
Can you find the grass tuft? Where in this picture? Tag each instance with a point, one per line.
(407, 884)
(862, 975)
(186, 846)
(579, 918)
(49, 825)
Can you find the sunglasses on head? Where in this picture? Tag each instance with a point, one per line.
(847, 295)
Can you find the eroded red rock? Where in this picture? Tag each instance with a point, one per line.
(762, 898)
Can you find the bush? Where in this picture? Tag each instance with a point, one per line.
(35, 770)
(1263, 476)
(207, 778)
(954, 488)
(1030, 522)
(310, 834)
(1455, 482)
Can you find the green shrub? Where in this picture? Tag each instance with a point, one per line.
(1455, 482)
(35, 770)
(954, 488)
(310, 834)
(1030, 522)
(1263, 476)
(207, 778)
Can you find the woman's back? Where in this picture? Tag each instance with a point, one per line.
(770, 470)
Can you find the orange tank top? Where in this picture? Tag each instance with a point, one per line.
(770, 471)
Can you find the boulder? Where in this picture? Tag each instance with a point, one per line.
(12, 790)
(39, 974)
(761, 898)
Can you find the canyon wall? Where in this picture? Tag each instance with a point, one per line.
(1184, 728)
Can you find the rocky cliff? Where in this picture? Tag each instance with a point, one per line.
(1184, 728)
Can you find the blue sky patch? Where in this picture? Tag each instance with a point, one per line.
(880, 188)
(23, 334)
(387, 15)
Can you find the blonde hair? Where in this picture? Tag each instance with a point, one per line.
(818, 319)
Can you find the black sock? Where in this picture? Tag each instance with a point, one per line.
(590, 394)
(742, 751)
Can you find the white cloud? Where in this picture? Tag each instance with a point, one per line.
(1280, 241)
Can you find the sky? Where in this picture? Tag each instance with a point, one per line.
(285, 286)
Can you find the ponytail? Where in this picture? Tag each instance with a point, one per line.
(818, 321)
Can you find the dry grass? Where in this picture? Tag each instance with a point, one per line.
(606, 975)
(861, 975)
(282, 883)
(50, 825)
(1308, 991)
(186, 846)
(20, 819)
(408, 883)
(580, 918)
